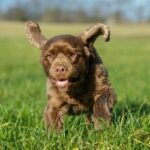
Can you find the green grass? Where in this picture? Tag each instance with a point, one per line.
(22, 92)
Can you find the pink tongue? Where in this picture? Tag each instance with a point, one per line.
(61, 83)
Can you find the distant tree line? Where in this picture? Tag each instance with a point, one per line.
(75, 11)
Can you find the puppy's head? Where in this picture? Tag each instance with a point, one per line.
(64, 61)
(65, 58)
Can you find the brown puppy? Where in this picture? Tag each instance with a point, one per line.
(77, 80)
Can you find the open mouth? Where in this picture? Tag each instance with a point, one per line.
(61, 83)
(64, 82)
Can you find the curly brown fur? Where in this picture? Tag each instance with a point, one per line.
(77, 80)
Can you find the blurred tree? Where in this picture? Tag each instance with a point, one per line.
(34, 9)
(1, 15)
(140, 13)
(77, 11)
(53, 15)
(16, 13)
(96, 15)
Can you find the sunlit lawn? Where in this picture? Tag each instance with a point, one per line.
(22, 92)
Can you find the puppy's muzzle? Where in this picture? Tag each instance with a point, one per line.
(61, 70)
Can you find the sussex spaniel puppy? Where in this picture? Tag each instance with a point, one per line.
(77, 80)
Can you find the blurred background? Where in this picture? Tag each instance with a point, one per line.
(127, 55)
(112, 11)
(22, 80)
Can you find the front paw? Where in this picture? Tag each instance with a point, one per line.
(53, 120)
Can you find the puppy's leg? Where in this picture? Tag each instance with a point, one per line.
(102, 107)
(100, 113)
(53, 116)
(88, 118)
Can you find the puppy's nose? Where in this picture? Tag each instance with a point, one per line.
(61, 69)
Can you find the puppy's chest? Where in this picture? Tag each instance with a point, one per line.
(78, 105)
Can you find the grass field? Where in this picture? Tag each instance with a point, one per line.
(22, 92)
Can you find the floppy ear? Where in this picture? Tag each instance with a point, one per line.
(90, 34)
(33, 33)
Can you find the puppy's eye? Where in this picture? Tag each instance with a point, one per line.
(73, 55)
(50, 57)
